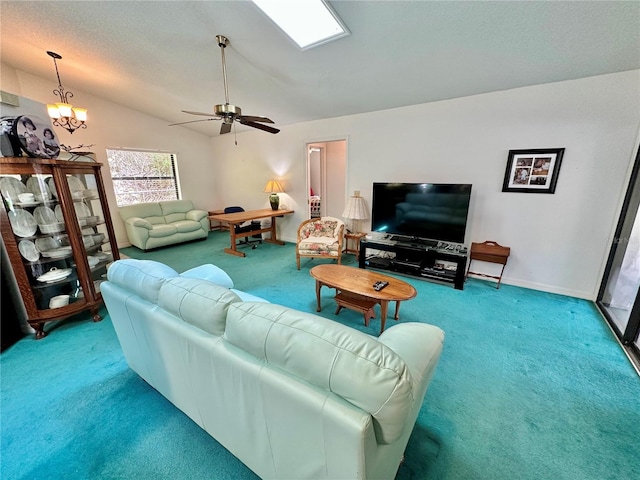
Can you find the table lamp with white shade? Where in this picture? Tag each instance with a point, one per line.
(274, 188)
(356, 210)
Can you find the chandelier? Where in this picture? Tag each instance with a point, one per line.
(63, 113)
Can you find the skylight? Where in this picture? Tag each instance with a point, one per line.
(309, 23)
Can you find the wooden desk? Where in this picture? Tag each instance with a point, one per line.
(220, 225)
(491, 252)
(237, 218)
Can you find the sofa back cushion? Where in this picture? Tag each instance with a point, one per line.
(141, 277)
(349, 363)
(149, 211)
(197, 302)
(176, 210)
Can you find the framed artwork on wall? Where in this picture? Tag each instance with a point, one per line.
(533, 171)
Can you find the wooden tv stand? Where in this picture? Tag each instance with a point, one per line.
(416, 260)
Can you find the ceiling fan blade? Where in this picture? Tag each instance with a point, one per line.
(198, 113)
(225, 128)
(259, 126)
(250, 118)
(193, 121)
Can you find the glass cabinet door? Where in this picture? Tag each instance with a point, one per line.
(42, 239)
(90, 216)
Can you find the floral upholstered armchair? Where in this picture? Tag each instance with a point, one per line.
(320, 238)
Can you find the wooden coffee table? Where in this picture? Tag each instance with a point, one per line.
(354, 290)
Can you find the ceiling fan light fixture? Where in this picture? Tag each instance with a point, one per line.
(308, 23)
(230, 113)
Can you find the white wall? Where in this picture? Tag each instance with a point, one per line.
(111, 125)
(559, 242)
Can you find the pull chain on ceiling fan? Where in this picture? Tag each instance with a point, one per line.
(230, 113)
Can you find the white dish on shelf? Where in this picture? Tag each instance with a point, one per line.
(52, 228)
(57, 252)
(87, 240)
(93, 261)
(26, 197)
(98, 238)
(52, 187)
(75, 185)
(44, 215)
(45, 244)
(38, 186)
(54, 275)
(28, 250)
(102, 255)
(82, 211)
(22, 223)
(59, 301)
(12, 187)
(27, 204)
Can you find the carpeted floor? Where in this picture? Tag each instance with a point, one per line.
(530, 385)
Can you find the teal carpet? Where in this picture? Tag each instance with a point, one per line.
(530, 385)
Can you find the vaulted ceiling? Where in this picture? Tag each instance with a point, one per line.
(162, 57)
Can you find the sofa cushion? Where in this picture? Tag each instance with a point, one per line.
(162, 230)
(175, 210)
(142, 210)
(349, 363)
(198, 302)
(186, 226)
(142, 277)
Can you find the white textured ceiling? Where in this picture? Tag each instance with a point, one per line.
(161, 57)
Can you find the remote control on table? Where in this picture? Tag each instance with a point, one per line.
(379, 286)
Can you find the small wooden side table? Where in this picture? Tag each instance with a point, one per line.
(218, 225)
(355, 237)
(491, 252)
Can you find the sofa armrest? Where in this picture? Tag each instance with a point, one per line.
(196, 215)
(210, 272)
(139, 222)
(419, 345)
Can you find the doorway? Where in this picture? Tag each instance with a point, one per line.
(326, 163)
(619, 295)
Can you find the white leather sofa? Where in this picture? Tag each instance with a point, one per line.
(291, 394)
(153, 225)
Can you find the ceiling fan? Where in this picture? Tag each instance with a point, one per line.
(230, 113)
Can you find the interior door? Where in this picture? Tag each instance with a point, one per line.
(326, 177)
(317, 172)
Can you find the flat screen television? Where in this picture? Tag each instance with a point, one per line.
(433, 211)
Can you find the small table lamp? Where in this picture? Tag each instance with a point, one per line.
(274, 188)
(355, 210)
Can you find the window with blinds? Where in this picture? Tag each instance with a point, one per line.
(140, 176)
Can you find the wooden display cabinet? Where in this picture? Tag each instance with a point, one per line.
(59, 240)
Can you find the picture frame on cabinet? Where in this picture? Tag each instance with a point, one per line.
(533, 170)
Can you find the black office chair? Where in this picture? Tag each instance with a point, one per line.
(251, 226)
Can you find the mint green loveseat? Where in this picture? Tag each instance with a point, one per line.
(153, 225)
(291, 394)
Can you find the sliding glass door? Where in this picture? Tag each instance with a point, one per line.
(619, 296)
